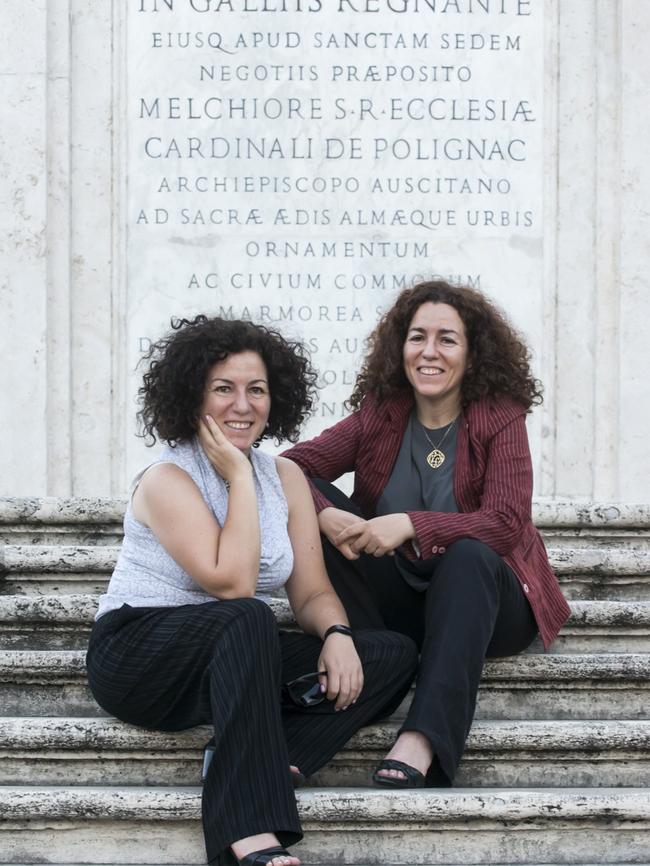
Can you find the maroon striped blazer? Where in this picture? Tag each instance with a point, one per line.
(493, 483)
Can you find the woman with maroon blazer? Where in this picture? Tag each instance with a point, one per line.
(437, 540)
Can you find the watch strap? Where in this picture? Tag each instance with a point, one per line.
(339, 628)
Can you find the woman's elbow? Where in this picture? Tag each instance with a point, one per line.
(228, 588)
(511, 527)
(234, 592)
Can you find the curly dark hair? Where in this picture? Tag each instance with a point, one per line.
(498, 360)
(174, 383)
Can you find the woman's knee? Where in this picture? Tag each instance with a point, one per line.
(470, 549)
(247, 638)
(464, 563)
(390, 662)
(391, 648)
(251, 608)
(253, 616)
(408, 651)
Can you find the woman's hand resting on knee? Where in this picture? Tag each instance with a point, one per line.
(333, 521)
(376, 537)
(344, 680)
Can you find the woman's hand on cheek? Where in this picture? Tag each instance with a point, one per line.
(222, 454)
(379, 536)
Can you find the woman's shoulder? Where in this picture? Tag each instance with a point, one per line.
(175, 464)
(288, 471)
(490, 414)
(275, 473)
(292, 483)
(161, 485)
(392, 406)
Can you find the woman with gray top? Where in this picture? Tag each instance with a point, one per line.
(437, 540)
(184, 635)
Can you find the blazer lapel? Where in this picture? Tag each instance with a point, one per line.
(466, 468)
(398, 410)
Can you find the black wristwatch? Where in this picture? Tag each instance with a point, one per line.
(338, 629)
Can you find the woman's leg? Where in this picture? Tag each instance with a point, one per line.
(315, 734)
(474, 607)
(213, 663)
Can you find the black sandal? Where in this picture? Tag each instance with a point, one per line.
(414, 778)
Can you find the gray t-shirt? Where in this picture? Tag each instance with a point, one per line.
(415, 486)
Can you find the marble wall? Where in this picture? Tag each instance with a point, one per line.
(298, 161)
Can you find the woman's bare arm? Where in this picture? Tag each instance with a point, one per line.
(311, 595)
(223, 560)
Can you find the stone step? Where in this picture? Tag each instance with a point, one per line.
(53, 520)
(105, 751)
(604, 686)
(347, 826)
(100, 559)
(58, 558)
(619, 573)
(604, 626)
(44, 622)
(34, 512)
(64, 622)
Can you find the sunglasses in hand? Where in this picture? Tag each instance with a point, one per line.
(305, 691)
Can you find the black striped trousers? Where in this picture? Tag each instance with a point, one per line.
(223, 663)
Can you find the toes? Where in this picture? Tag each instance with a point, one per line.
(392, 774)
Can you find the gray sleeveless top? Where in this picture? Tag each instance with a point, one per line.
(147, 576)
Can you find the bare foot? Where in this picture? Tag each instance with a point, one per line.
(411, 748)
(259, 843)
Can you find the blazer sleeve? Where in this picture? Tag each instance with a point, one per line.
(505, 499)
(329, 455)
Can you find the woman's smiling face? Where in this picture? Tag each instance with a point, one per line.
(238, 399)
(435, 355)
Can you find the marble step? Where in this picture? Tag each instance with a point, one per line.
(44, 622)
(105, 751)
(54, 520)
(345, 826)
(17, 513)
(544, 686)
(615, 573)
(64, 622)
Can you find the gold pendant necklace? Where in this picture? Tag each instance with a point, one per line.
(436, 457)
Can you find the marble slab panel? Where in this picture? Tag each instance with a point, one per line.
(298, 162)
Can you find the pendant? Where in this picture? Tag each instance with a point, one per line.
(435, 458)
